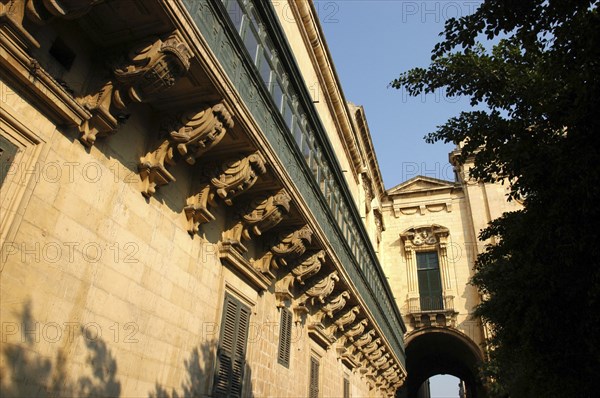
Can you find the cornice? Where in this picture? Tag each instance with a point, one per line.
(312, 33)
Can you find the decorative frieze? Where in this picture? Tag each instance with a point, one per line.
(226, 181)
(148, 70)
(189, 135)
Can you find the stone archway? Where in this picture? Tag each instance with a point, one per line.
(437, 350)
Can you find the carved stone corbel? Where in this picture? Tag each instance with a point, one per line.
(309, 266)
(377, 355)
(357, 330)
(364, 339)
(43, 11)
(381, 360)
(226, 180)
(319, 291)
(149, 69)
(345, 319)
(285, 247)
(335, 304)
(283, 290)
(372, 346)
(261, 214)
(189, 135)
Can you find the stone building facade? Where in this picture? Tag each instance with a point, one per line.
(430, 245)
(189, 206)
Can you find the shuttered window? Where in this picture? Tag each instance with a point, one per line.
(430, 283)
(313, 391)
(285, 337)
(229, 375)
(346, 388)
(8, 150)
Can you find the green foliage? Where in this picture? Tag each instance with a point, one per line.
(535, 124)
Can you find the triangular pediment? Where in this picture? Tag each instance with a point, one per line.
(420, 184)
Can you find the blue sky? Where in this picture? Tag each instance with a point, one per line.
(371, 42)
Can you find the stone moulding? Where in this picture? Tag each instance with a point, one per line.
(226, 180)
(149, 69)
(231, 254)
(191, 135)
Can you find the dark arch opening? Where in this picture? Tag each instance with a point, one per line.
(434, 350)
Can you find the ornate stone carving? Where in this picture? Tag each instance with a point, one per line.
(366, 182)
(319, 291)
(346, 319)
(149, 69)
(283, 290)
(309, 266)
(425, 235)
(372, 346)
(364, 338)
(43, 11)
(226, 180)
(189, 135)
(336, 304)
(380, 360)
(378, 223)
(375, 354)
(285, 246)
(261, 214)
(357, 330)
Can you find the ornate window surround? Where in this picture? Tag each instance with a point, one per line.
(427, 238)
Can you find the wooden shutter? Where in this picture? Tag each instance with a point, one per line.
(285, 337)
(314, 378)
(229, 375)
(430, 283)
(8, 150)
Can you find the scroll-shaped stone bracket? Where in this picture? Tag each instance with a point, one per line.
(380, 360)
(355, 333)
(283, 290)
(300, 312)
(261, 214)
(189, 135)
(375, 355)
(226, 181)
(346, 319)
(308, 266)
(148, 70)
(332, 306)
(286, 246)
(43, 11)
(320, 290)
(371, 347)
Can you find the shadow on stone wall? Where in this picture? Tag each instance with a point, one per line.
(198, 376)
(25, 373)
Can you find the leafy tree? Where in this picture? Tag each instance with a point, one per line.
(532, 71)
